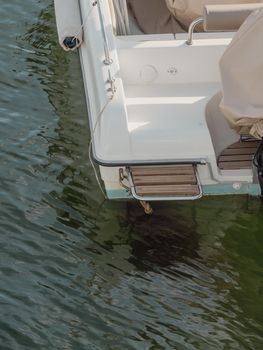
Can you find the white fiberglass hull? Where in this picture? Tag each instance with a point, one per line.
(147, 102)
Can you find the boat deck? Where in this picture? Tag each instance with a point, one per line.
(165, 181)
(238, 155)
(167, 122)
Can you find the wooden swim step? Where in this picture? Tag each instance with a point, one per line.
(239, 155)
(164, 182)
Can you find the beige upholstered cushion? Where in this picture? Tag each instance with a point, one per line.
(186, 11)
(153, 17)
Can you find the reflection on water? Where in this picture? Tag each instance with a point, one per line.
(78, 272)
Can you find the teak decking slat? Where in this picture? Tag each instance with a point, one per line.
(236, 158)
(162, 170)
(235, 165)
(164, 179)
(245, 144)
(238, 151)
(238, 155)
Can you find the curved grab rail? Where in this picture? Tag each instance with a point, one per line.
(192, 28)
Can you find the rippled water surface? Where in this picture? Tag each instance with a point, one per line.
(81, 273)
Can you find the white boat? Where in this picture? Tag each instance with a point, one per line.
(157, 130)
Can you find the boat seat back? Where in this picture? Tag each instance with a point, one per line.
(138, 17)
(227, 17)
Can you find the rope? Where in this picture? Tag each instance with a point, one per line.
(95, 171)
(122, 18)
(91, 143)
(85, 20)
(102, 111)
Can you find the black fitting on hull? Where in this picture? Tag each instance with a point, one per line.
(258, 162)
(71, 42)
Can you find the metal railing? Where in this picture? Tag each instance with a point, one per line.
(108, 60)
(192, 28)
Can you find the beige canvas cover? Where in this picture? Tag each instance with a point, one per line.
(242, 78)
(186, 11)
(153, 17)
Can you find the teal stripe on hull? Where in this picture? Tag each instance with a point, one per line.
(119, 194)
(208, 190)
(225, 189)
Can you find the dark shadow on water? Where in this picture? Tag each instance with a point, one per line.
(161, 239)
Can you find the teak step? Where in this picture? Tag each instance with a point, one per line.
(239, 155)
(164, 182)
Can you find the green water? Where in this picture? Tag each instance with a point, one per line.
(77, 272)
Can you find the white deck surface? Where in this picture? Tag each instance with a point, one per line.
(168, 122)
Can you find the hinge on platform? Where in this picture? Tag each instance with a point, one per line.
(122, 178)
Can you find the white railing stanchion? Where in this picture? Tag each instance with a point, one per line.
(108, 60)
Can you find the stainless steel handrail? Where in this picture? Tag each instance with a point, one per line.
(108, 60)
(192, 28)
